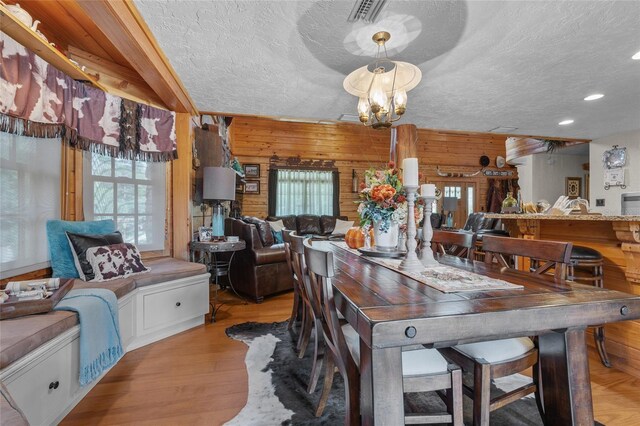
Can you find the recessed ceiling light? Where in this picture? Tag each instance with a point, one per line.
(565, 122)
(594, 97)
(636, 56)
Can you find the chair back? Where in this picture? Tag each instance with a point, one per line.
(544, 255)
(460, 244)
(321, 271)
(286, 237)
(300, 268)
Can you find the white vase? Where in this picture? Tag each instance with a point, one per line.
(386, 240)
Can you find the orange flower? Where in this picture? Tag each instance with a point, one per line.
(382, 192)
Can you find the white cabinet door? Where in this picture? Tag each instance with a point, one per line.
(175, 305)
(46, 387)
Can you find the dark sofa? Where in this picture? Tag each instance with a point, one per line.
(261, 269)
(309, 224)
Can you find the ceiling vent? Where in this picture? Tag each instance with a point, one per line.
(503, 129)
(349, 118)
(366, 10)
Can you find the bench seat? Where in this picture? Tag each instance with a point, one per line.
(19, 336)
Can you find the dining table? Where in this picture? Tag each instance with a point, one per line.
(390, 309)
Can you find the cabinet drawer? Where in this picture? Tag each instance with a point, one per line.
(48, 386)
(175, 305)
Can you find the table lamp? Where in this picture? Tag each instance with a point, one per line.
(218, 184)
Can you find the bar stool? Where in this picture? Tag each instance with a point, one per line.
(589, 263)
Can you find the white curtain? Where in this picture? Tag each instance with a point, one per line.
(132, 193)
(29, 196)
(304, 192)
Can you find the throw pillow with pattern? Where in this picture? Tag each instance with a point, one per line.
(115, 261)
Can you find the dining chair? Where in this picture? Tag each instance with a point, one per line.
(298, 306)
(460, 244)
(500, 358)
(312, 317)
(423, 370)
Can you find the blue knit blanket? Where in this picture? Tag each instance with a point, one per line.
(100, 345)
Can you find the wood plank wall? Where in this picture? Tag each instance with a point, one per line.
(255, 140)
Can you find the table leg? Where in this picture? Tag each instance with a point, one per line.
(382, 396)
(565, 378)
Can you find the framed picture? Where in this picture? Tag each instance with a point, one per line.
(252, 170)
(252, 187)
(574, 187)
(205, 234)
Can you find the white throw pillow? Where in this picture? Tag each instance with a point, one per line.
(276, 225)
(342, 226)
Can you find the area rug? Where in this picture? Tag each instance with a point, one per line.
(278, 381)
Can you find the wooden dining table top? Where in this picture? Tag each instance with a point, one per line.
(381, 304)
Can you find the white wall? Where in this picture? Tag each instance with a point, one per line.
(543, 176)
(612, 196)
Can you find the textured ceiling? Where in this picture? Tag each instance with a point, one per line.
(524, 64)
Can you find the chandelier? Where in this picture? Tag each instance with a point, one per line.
(382, 86)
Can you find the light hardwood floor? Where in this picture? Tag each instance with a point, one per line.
(198, 378)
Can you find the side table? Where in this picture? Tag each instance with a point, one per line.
(217, 265)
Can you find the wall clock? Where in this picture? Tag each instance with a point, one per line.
(615, 157)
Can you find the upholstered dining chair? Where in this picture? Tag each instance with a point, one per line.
(423, 369)
(500, 358)
(312, 317)
(460, 244)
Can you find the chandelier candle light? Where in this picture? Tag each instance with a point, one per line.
(428, 193)
(382, 86)
(410, 180)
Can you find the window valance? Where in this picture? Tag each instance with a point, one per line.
(36, 99)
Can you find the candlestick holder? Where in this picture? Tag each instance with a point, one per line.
(411, 262)
(426, 254)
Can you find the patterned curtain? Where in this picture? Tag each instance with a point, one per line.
(39, 100)
(305, 192)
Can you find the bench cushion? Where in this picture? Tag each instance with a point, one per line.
(120, 287)
(19, 336)
(168, 269)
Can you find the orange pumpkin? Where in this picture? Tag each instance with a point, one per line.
(355, 237)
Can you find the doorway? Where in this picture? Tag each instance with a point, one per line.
(459, 198)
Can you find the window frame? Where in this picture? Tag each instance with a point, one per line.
(88, 179)
(274, 182)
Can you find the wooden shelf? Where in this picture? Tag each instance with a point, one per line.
(31, 40)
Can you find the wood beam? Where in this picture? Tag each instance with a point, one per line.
(123, 25)
(181, 180)
(118, 80)
(406, 142)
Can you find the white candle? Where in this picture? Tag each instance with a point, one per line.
(428, 190)
(410, 171)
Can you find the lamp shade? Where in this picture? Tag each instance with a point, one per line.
(405, 78)
(219, 183)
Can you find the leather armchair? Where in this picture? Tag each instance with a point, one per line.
(480, 225)
(259, 270)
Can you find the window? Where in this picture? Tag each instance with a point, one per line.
(305, 192)
(130, 192)
(29, 196)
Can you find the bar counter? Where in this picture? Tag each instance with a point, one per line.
(618, 239)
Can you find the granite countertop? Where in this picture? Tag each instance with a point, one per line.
(540, 216)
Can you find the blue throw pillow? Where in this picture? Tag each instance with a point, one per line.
(59, 249)
(277, 237)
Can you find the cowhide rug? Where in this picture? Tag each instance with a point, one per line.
(278, 381)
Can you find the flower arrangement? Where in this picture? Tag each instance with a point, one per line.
(383, 199)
